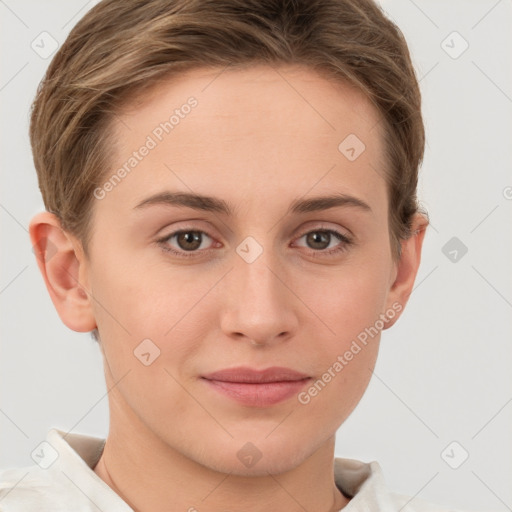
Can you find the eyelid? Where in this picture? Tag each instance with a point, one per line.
(325, 226)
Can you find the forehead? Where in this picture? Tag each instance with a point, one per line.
(250, 130)
(249, 88)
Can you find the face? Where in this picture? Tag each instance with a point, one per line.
(258, 275)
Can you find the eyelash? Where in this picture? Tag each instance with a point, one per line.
(315, 253)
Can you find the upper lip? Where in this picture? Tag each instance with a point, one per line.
(246, 374)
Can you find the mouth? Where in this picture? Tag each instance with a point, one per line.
(257, 388)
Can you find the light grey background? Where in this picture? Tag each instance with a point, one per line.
(445, 369)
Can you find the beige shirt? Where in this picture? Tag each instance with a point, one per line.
(63, 480)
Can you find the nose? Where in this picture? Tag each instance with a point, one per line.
(258, 304)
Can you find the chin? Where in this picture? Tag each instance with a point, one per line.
(259, 458)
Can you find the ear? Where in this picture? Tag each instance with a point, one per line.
(64, 269)
(406, 268)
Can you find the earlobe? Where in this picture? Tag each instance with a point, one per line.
(64, 270)
(407, 268)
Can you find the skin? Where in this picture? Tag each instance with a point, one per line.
(259, 138)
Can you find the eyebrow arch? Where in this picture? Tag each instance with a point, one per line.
(212, 204)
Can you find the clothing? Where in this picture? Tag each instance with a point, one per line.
(63, 480)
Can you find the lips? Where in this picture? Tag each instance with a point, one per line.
(244, 374)
(257, 388)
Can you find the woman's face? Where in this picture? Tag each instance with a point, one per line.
(264, 274)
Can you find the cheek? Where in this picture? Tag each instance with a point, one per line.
(346, 302)
(146, 333)
(149, 308)
(145, 297)
(349, 306)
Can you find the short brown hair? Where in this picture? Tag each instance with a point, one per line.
(122, 47)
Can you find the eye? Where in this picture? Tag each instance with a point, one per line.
(189, 242)
(192, 242)
(321, 241)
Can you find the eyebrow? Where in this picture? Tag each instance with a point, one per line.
(213, 204)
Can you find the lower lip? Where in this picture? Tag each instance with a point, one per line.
(258, 395)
